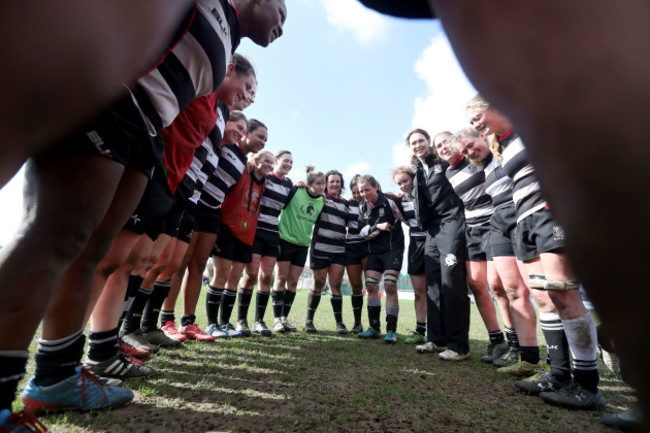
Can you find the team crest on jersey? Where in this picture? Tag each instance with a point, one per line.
(135, 218)
(558, 233)
(438, 168)
(309, 209)
(450, 260)
(381, 212)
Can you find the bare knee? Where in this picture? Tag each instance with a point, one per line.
(266, 279)
(319, 283)
(498, 290)
(106, 268)
(64, 242)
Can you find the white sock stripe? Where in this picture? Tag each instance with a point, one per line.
(93, 342)
(15, 377)
(60, 340)
(551, 326)
(585, 365)
(336, 297)
(145, 291)
(163, 283)
(212, 291)
(587, 360)
(54, 345)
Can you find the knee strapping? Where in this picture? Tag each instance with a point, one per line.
(539, 282)
(390, 278)
(372, 280)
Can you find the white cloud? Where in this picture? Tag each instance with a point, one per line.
(448, 89)
(401, 154)
(356, 168)
(351, 16)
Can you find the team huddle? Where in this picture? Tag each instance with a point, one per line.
(125, 214)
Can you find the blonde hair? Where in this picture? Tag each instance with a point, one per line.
(471, 132)
(260, 154)
(495, 147)
(312, 174)
(478, 102)
(404, 170)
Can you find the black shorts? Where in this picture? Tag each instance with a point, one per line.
(356, 253)
(539, 233)
(320, 260)
(388, 261)
(293, 253)
(155, 204)
(121, 134)
(267, 243)
(503, 227)
(230, 248)
(416, 256)
(207, 220)
(173, 219)
(186, 227)
(478, 243)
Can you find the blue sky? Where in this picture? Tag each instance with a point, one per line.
(344, 85)
(340, 89)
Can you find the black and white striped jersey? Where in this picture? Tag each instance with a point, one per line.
(275, 197)
(206, 156)
(527, 192)
(330, 229)
(497, 183)
(468, 182)
(353, 224)
(415, 232)
(195, 66)
(232, 163)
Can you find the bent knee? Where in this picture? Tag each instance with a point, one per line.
(266, 280)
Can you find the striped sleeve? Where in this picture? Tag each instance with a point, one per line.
(468, 182)
(276, 196)
(232, 163)
(409, 214)
(195, 66)
(527, 192)
(330, 232)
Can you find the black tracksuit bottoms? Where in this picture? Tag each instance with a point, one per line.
(447, 300)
